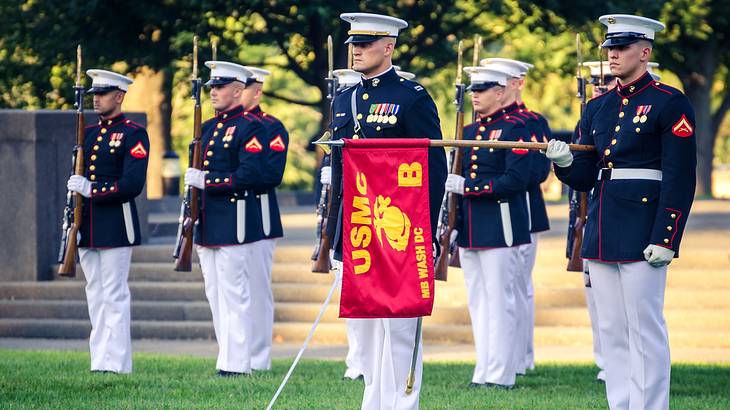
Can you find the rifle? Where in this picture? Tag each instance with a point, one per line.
(320, 256)
(72, 212)
(450, 202)
(578, 200)
(183, 253)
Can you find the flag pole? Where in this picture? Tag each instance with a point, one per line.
(542, 146)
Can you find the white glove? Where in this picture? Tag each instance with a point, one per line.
(79, 184)
(559, 153)
(658, 255)
(195, 178)
(325, 176)
(455, 184)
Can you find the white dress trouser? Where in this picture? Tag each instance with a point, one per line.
(108, 299)
(630, 301)
(226, 272)
(489, 276)
(591, 303)
(262, 303)
(525, 307)
(387, 351)
(356, 335)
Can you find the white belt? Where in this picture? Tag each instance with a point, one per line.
(630, 173)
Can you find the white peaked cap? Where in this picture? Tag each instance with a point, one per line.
(223, 72)
(259, 74)
(626, 29)
(365, 27)
(481, 76)
(103, 80)
(512, 68)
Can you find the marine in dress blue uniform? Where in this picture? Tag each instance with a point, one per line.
(275, 146)
(492, 223)
(642, 181)
(385, 106)
(116, 154)
(539, 130)
(229, 223)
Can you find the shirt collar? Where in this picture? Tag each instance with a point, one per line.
(634, 87)
(112, 121)
(386, 77)
(225, 115)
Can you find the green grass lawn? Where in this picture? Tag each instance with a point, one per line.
(62, 380)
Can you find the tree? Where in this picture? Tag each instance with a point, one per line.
(695, 46)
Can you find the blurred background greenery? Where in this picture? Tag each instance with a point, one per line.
(151, 41)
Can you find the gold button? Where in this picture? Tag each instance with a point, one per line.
(93, 177)
(359, 116)
(644, 199)
(92, 167)
(111, 189)
(96, 148)
(233, 199)
(355, 137)
(614, 141)
(245, 113)
(476, 148)
(486, 187)
(674, 216)
(225, 145)
(466, 189)
(215, 133)
(618, 127)
(93, 157)
(217, 180)
(207, 171)
(211, 142)
(621, 114)
(103, 130)
(103, 189)
(220, 125)
(108, 122)
(610, 164)
(207, 181)
(669, 228)
(607, 152)
(99, 138)
(489, 119)
(94, 190)
(506, 117)
(474, 166)
(226, 180)
(377, 128)
(473, 157)
(478, 137)
(491, 149)
(111, 150)
(209, 153)
(473, 175)
(206, 162)
(482, 128)
(666, 240)
(638, 129)
(365, 96)
(225, 115)
(625, 101)
(476, 188)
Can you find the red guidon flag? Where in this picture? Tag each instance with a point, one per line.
(387, 249)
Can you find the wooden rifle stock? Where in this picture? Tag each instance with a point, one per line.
(189, 209)
(69, 245)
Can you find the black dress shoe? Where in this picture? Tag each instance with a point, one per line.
(473, 385)
(498, 386)
(103, 372)
(223, 373)
(350, 379)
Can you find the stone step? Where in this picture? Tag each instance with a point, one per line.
(448, 295)
(307, 312)
(333, 333)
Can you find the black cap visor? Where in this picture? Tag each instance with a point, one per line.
(102, 89)
(623, 39)
(482, 86)
(218, 81)
(364, 38)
